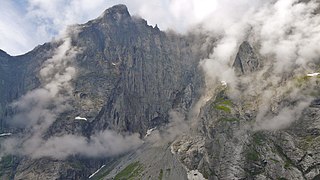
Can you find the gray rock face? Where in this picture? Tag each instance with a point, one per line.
(4, 76)
(129, 77)
(164, 164)
(144, 64)
(19, 75)
(246, 60)
(229, 149)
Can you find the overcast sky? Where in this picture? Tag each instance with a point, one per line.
(25, 24)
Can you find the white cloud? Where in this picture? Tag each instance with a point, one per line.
(38, 21)
(14, 36)
(103, 144)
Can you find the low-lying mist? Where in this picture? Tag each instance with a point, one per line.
(285, 35)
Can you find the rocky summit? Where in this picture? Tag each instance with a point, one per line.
(116, 98)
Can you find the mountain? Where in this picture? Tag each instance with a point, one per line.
(126, 81)
(117, 98)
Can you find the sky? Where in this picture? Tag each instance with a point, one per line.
(25, 24)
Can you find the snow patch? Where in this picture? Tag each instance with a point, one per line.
(195, 175)
(313, 74)
(5, 134)
(224, 83)
(172, 150)
(80, 118)
(149, 131)
(96, 171)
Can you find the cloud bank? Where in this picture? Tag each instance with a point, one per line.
(285, 33)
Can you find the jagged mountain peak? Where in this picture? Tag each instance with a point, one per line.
(116, 12)
(246, 60)
(3, 53)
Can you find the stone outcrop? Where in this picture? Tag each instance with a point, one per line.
(246, 60)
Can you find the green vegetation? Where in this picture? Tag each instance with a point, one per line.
(6, 161)
(76, 165)
(253, 155)
(274, 160)
(220, 100)
(259, 138)
(301, 80)
(308, 141)
(223, 108)
(160, 174)
(287, 164)
(130, 172)
(223, 105)
(227, 102)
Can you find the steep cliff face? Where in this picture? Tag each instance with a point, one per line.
(246, 60)
(19, 75)
(227, 145)
(118, 73)
(141, 66)
(129, 76)
(5, 74)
